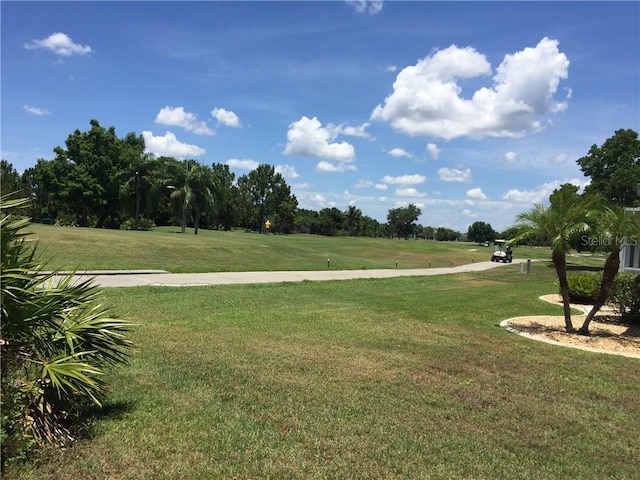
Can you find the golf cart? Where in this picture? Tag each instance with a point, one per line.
(502, 252)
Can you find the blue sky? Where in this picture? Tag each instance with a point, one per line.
(470, 110)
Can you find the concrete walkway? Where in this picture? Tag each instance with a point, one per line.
(159, 278)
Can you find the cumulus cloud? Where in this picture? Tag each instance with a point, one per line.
(308, 138)
(372, 7)
(476, 194)
(427, 99)
(454, 175)
(405, 179)
(357, 131)
(541, 193)
(60, 44)
(243, 164)
(510, 157)
(364, 184)
(286, 171)
(168, 145)
(226, 117)
(340, 167)
(177, 117)
(433, 150)
(399, 152)
(36, 110)
(408, 192)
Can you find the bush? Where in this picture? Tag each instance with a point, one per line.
(57, 341)
(625, 297)
(583, 287)
(144, 224)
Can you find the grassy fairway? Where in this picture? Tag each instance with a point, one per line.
(381, 379)
(213, 251)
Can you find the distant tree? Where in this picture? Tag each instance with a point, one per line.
(330, 221)
(9, 178)
(480, 232)
(224, 196)
(614, 168)
(444, 234)
(192, 191)
(354, 221)
(402, 220)
(265, 194)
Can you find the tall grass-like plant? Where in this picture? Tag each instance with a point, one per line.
(57, 341)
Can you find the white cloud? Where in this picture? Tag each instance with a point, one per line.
(476, 194)
(511, 157)
(382, 186)
(454, 175)
(433, 150)
(560, 158)
(177, 117)
(168, 145)
(243, 164)
(60, 44)
(308, 138)
(405, 179)
(427, 100)
(364, 184)
(391, 68)
(541, 193)
(36, 110)
(372, 7)
(408, 192)
(357, 131)
(226, 117)
(399, 152)
(286, 171)
(328, 167)
(468, 213)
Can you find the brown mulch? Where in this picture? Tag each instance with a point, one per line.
(605, 335)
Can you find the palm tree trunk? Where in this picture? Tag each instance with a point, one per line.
(559, 261)
(611, 266)
(197, 221)
(184, 217)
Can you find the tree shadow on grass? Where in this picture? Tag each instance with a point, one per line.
(85, 426)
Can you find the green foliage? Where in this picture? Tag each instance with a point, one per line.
(402, 220)
(480, 232)
(144, 224)
(583, 287)
(625, 296)
(614, 168)
(57, 340)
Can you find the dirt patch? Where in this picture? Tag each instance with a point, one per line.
(606, 336)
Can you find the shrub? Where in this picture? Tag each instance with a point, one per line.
(625, 296)
(144, 224)
(583, 287)
(57, 341)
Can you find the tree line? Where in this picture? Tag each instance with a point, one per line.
(104, 181)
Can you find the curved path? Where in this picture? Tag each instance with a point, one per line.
(159, 278)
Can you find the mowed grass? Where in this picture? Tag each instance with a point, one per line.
(368, 379)
(216, 251)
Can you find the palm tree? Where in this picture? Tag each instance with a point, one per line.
(56, 340)
(564, 218)
(615, 224)
(192, 192)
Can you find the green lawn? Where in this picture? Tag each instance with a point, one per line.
(366, 379)
(214, 251)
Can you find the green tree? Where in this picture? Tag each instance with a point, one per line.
(224, 196)
(9, 178)
(614, 168)
(560, 221)
(95, 162)
(402, 220)
(354, 221)
(191, 191)
(480, 232)
(614, 224)
(57, 340)
(266, 194)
